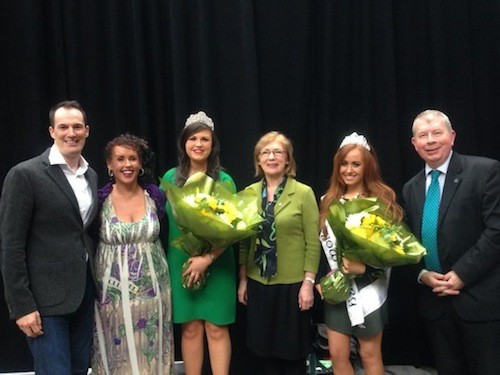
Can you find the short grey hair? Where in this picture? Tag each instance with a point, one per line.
(429, 115)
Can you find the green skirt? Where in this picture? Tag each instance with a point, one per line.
(337, 319)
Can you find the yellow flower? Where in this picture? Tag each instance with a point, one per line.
(399, 249)
(212, 203)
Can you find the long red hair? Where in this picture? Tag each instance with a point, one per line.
(373, 184)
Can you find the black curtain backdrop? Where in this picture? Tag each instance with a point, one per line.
(316, 70)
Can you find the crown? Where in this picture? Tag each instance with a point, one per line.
(355, 139)
(200, 117)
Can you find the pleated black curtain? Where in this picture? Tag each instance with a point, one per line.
(316, 70)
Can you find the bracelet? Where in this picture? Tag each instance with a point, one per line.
(212, 256)
(311, 280)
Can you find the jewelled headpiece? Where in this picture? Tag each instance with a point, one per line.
(355, 139)
(200, 117)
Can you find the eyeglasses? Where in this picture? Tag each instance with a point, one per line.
(277, 153)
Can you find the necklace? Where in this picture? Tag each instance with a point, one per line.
(357, 195)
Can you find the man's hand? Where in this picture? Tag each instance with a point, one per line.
(443, 284)
(31, 324)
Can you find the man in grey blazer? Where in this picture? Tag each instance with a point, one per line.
(46, 207)
(460, 293)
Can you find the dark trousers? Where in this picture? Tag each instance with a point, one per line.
(64, 348)
(464, 347)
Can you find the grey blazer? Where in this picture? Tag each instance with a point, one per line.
(468, 235)
(44, 244)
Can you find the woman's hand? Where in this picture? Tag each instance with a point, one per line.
(242, 291)
(196, 268)
(242, 287)
(353, 267)
(306, 294)
(320, 290)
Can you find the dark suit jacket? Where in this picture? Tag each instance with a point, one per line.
(468, 235)
(43, 240)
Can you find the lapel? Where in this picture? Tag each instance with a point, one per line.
(92, 179)
(451, 183)
(419, 194)
(286, 197)
(257, 187)
(57, 175)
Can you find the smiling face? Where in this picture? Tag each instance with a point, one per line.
(433, 140)
(125, 164)
(351, 170)
(199, 146)
(69, 132)
(273, 160)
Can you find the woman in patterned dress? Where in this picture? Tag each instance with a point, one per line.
(133, 308)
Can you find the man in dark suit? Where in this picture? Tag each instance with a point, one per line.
(46, 207)
(460, 299)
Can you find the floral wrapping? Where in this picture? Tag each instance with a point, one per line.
(210, 216)
(366, 232)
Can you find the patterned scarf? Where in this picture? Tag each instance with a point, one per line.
(265, 254)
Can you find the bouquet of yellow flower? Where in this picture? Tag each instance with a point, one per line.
(210, 216)
(366, 232)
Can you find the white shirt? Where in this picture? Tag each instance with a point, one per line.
(443, 168)
(76, 179)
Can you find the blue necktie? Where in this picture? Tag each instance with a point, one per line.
(430, 223)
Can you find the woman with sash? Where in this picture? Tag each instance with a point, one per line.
(356, 173)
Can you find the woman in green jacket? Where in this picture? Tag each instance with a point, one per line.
(278, 266)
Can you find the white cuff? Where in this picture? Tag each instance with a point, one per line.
(421, 273)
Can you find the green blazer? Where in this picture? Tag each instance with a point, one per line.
(297, 242)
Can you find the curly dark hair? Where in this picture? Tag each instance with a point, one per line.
(139, 145)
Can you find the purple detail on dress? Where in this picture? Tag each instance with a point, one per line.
(116, 271)
(134, 269)
(141, 323)
(100, 302)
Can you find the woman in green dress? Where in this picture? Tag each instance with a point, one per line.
(210, 309)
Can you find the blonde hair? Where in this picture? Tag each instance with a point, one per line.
(274, 136)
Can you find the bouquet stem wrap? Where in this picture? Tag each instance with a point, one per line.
(210, 216)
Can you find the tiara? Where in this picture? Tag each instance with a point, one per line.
(200, 117)
(355, 139)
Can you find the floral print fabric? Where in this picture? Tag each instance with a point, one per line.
(133, 308)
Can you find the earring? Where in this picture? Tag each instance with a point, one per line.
(141, 172)
(110, 173)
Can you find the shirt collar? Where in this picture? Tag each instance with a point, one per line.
(56, 158)
(443, 168)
